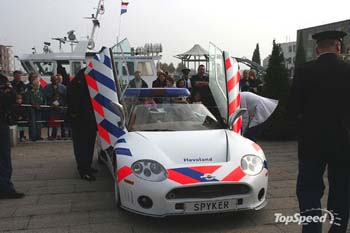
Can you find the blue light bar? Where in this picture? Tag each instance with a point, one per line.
(157, 92)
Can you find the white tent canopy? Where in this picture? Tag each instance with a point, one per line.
(196, 50)
(197, 54)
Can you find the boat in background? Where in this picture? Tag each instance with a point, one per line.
(48, 63)
(129, 59)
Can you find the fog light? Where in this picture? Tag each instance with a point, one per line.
(145, 202)
(261, 194)
(171, 195)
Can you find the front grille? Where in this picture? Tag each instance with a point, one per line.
(208, 191)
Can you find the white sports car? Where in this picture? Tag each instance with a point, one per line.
(177, 158)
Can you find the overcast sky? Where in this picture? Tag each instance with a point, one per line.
(234, 26)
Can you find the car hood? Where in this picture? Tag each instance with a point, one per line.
(192, 147)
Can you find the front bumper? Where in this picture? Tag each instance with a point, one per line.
(162, 205)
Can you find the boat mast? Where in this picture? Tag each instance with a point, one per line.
(96, 23)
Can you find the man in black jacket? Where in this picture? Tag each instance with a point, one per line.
(137, 82)
(83, 123)
(7, 100)
(17, 83)
(319, 99)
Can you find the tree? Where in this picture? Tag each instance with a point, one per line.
(300, 57)
(164, 67)
(276, 86)
(171, 68)
(179, 67)
(276, 79)
(256, 55)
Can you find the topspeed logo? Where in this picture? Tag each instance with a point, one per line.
(307, 217)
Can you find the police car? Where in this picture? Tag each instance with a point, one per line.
(177, 158)
(169, 156)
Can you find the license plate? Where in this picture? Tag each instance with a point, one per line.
(210, 206)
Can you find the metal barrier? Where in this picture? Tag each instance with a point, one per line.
(38, 117)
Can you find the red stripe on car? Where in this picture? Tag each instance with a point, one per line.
(235, 175)
(123, 173)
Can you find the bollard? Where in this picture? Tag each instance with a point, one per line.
(13, 135)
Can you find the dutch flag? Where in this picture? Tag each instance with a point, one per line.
(123, 8)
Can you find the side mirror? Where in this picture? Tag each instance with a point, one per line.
(119, 110)
(239, 112)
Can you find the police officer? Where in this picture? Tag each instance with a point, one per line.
(186, 78)
(7, 99)
(319, 99)
(83, 123)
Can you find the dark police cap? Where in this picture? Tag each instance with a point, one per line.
(326, 35)
(185, 70)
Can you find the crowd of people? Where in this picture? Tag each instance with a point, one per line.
(38, 105)
(249, 82)
(198, 84)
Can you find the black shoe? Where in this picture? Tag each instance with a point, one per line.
(93, 170)
(88, 177)
(11, 195)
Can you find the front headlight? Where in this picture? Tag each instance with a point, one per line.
(149, 170)
(252, 165)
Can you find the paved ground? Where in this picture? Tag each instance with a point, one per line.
(58, 200)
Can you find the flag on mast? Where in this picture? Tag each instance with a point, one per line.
(123, 8)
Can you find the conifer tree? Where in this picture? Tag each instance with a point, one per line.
(256, 55)
(276, 86)
(276, 79)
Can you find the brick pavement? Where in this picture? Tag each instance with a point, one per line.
(57, 200)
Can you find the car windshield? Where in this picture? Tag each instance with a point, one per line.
(169, 114)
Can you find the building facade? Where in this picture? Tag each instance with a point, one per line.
(305, 36)
(289, 50)
(5, 59)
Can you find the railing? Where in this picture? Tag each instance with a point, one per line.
(38, 118)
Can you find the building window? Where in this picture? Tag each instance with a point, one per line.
(290, 48)
(310, 36)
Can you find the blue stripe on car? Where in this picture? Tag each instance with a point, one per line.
(193, 174)
(121, 140)
(123, 151)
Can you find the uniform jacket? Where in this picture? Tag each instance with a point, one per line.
(319, 99)
(80, 110)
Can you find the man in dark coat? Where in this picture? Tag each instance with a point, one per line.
(17, 83)
(83, 124)
(137, 82)
(319, 99)
(200, 91)
(186, 78)
(7, 100)
(200, 86)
